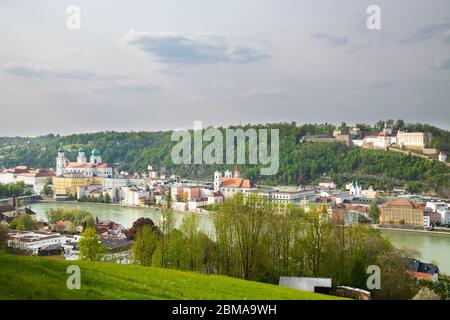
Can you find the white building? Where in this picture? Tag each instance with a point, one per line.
(355, 189)
(327, 184)
(152, 174)
(442, 156)
(94, 168)
(133, 196)
(33, 241)
(194, 205)
(369, 193)
(426, 220)
(381, 141)
(215, 198)
(445, 216)
(35, 178)
(230, 184)
(436, 205)
(419, 140)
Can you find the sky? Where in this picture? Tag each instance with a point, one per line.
(157, 65)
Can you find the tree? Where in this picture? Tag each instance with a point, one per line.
(374, 212)
(396, 284)
(23, 222)
(90, 246)
(131, 233)
(47, 190)
(426, 294)
(3, 237)
(191, 235)
(399, 124)
(317, 234)
(242, 222)
(144, 245)
(106, 198)
(166, 226)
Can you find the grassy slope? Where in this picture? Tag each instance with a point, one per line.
(39, 278)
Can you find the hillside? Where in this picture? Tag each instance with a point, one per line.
(300, 163)
(40, 278)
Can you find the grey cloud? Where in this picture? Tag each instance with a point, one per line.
(128, 87)
(442, 63)
(263, 93)
(330, 40)
(446, 37)
(35, 71)
(199, 48)
(428, 30)
(380, 81)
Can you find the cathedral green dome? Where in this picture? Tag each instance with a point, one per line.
(95, 152)
(60, 149)
(81, 150)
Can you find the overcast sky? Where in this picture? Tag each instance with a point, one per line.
(151, 65)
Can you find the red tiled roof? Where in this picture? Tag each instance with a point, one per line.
(420, 275)
(79, 165)
(402, 202)
(235, 183)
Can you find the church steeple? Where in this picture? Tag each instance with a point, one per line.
(61, 162)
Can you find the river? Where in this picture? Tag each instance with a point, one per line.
(431, 247)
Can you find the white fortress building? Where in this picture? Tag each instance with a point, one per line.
(94, 168)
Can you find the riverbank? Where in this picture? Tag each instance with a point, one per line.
(441, 233)
(156, 208)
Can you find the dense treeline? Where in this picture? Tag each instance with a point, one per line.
(252, 242)
(14, 189)
(300, 163)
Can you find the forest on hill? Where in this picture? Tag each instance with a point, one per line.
(300, 163)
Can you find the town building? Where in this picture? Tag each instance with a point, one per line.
(414, 140)
(355, 189)
(230, 184)
(327, 138)
(280, 200)
(67, 186)
(152, 174)
(36, 179)
(327, 183)
(134, 196)
(442, 156)
(118, 249)
(421, 270)
(32, 242)
(402, 211)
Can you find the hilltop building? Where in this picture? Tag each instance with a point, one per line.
(414, 140)
(442, 156)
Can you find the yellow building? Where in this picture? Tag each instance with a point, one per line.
(401, 211)
(68, 186)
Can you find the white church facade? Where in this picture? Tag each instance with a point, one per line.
(94, 168)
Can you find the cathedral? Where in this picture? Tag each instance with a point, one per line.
(94, 168)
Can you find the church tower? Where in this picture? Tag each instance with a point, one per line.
(228, 174)
(81, 156)
(237, 172)
(61, 162)
(95, 157)
(217, 180)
